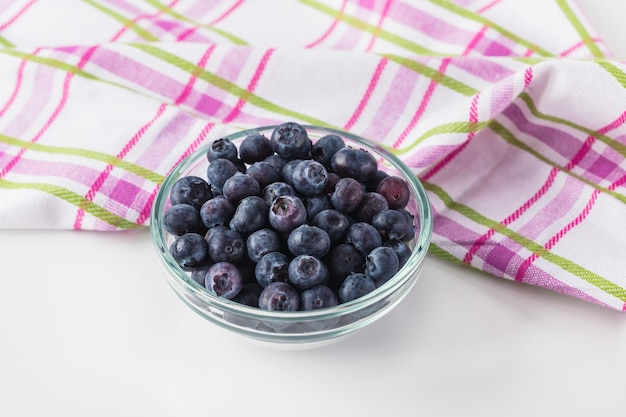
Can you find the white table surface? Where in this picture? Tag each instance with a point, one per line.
(90, 328)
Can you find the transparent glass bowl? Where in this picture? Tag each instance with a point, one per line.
(300, 326)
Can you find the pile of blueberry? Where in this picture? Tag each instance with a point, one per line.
(282, 223)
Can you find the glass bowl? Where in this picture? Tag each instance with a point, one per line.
(296, 327)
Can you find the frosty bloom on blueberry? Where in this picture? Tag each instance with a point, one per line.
(262, 242)
(222, 148)
(255, 148)
(218, 171)
(216, 212)
(291, 141)
(286, 223)
(309, 177)
(189, 250)
(317, 297)
(286, 213)
(224, 279)
(190, 190)
(181, 219)
(308, 240)
(272, 267)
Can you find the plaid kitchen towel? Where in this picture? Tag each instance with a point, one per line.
(512, 113)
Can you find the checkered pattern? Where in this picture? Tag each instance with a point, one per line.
(512, 113)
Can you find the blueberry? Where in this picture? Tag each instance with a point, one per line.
(391, 224)
(254, 148)
(286, 213)
(214, 231)
(372, 184)
(315, 204)
(279, 296)
(395, 190)
(181, 219)
(355, 286)
(240, 186)
(223, 279)
(308, 240)
(222, 148)
(189, 250)
(291, 141)
(371, 204)
(190, 190)
(262, 242)
(323, 150)
(334, 222)
(217, 212)
(347, 196)
(272, 267)
(240, 165)
(227, 246)
(411, 218)
(249, 294)
(250, 215)
(333, 179)
(264, 173)
(276, 161)
(309, 177)
(219, 171)
(277, 189)
(364, 237)
(401, 249)
(344, 260)
(306, 271)
(287, 171)
(317, 297)
(355, 163)
(381, 264)
(198, 273)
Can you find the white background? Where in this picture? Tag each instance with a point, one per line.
(90, 328)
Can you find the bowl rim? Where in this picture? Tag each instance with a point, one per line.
(419, 251)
